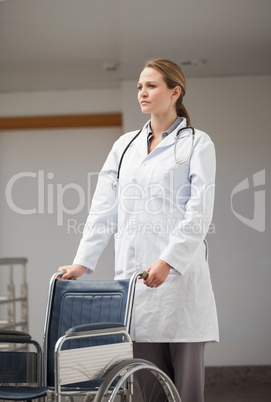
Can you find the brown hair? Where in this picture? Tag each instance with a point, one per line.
(173, 76)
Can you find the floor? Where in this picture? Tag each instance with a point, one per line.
(238, 384)
(234, 384)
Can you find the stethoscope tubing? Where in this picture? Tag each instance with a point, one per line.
(116, 183)
(124, 152)
(177, 137)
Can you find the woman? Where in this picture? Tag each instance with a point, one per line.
(159, 213)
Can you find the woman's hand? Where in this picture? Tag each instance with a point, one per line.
(72, 271)
(158, 273)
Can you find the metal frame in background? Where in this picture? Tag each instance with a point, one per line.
(11, 300)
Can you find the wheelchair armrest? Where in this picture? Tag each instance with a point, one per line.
(12, 336)
(99, 328)
(14, 363)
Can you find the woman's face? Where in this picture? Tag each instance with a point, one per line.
(153, 94)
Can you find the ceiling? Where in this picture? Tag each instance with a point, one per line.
(66, 44)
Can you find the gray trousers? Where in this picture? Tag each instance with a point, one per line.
(182, 362)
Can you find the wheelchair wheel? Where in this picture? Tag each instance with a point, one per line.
(120, 384)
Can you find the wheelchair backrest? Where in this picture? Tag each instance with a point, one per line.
(73, 303)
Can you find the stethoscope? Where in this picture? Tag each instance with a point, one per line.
(177, 137)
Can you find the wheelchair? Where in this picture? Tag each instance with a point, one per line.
(87, 350)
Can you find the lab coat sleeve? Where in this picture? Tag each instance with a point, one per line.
(101, 223)
(189, 232)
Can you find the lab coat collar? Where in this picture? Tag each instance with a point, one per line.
(170, 129)
(170, 139)
(142, 142)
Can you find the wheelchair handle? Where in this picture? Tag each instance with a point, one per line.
(144, 275)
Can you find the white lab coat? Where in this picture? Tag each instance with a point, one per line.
(161, 209)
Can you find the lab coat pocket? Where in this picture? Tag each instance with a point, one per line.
(156, 196)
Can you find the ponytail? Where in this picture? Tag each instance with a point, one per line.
(182, 111)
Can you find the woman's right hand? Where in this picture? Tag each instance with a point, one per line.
(72, 271)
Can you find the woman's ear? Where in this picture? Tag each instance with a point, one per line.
(176, 92)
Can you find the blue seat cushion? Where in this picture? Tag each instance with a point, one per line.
(11, 393)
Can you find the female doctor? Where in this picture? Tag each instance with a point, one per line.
(157, 199)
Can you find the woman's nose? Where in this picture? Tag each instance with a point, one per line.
(144, 93)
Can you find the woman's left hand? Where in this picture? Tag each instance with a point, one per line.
(158, 273)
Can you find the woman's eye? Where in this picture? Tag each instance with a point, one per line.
(139, 87)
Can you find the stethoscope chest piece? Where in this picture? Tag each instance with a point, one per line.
(115, 185)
